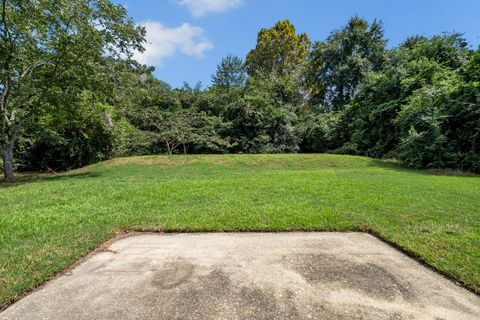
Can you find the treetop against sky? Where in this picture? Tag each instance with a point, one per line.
(187, 38)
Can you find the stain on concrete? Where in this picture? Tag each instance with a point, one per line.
(215, 296)
(368, 278)
(173, 274)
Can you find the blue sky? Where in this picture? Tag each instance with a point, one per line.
(187, 38)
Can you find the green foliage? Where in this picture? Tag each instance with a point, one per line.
(130, 141)
(420, 121)
(421, 107)
(230, 73)
(53, 51)
(69, 138)
(320, 132)
(337, 66)
(169, 118)
(279, 52)
(263, 119)
(190, 129)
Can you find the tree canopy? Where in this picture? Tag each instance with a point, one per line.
(279, 52)
(337, 66)
(230, 73)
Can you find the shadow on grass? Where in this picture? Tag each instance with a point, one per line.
(401, 167)
(23, 179)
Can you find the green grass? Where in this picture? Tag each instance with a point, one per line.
(47, 223)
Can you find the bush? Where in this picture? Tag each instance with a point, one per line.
(130, 141)
(73, 137)
(320, 132)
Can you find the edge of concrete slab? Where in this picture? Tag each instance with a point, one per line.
(126, 233)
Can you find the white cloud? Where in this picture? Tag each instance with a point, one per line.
(163, 42)
(201, 7)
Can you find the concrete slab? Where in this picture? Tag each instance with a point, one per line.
(249, 276)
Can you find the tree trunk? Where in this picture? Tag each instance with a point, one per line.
(8, 162)
(169, 150)
(184, 148)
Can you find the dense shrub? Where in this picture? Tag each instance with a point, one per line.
(320, 132)
(81, 135)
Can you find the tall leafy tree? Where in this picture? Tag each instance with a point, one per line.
(51, 51)
(337, 66)
(279, 52)
(230, 73)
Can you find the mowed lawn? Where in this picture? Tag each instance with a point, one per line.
(48, 223)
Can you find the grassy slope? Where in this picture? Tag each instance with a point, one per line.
(48, 223)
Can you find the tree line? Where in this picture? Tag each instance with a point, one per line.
(71, 94)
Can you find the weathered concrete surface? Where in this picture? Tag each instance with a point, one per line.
(249, 276)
